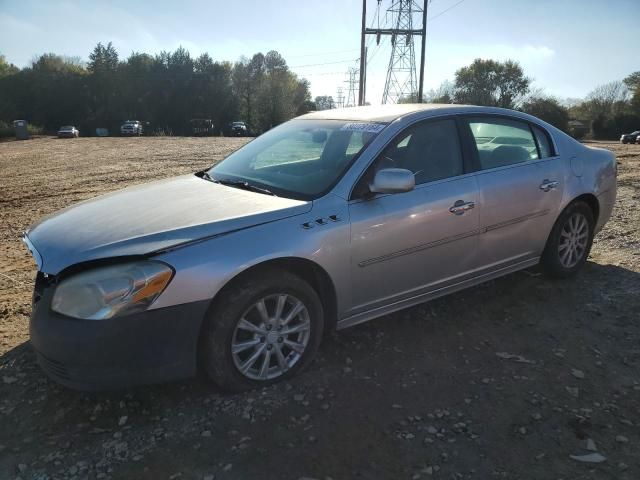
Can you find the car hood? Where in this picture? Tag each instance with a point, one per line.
(146, 218)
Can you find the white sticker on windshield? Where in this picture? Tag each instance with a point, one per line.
(363, 127)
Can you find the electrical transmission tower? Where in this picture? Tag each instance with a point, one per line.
(351, 92)
(401, 74)
(339, 98)
(402, 81)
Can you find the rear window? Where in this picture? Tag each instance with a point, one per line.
(544, 142)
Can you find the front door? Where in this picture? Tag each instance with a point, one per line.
(405, 244)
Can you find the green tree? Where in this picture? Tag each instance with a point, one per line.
(7, 68)
(325, 102)
(104, 102)
(491, 83)
(445, 93)
(632, 81)
(608, 99)
(248, 77)
(549, 110)
(50, 92)
(103, 58)
(633, 84)
(276, 103)
(212, 95)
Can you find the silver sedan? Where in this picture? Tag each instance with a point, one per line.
(327, 221)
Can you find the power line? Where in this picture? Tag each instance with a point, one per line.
(319, 54)
(324, 63)
(444, 11)
(315, 74)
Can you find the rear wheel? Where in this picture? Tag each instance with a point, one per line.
(570, 241)
(262, 330)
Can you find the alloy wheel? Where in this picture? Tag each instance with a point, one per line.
(574, 238)
(271, 337)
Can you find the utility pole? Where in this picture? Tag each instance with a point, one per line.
(401, 81)
(363, 54)
(422, 50)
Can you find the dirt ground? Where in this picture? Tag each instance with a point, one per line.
(506, 380)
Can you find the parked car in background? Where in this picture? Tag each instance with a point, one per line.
(238, 129)
(326, 221)
(630, 137)
(131, 127)
(68, 131)
(638, 139)
(202, 127)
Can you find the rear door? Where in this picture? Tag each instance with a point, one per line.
(520, 185)
(405, 244)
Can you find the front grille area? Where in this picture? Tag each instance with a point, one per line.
(52, 367)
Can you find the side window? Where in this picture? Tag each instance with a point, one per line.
(546, 149)
(502, 142)
(431, 150)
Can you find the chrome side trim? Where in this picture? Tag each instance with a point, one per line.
(432, 294)
(418, 248)
(513, 221)
(436, 243)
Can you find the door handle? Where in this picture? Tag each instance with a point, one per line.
(461, 206)
(548, 185)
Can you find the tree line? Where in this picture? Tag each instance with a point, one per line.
(169, 89)
(166, 91)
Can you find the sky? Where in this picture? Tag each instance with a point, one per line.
(567, 47)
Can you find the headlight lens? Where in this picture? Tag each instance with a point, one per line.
(111, 291)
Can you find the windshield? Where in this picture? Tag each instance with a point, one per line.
(299, 159)
(66, 127)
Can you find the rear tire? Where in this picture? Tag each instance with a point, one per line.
(570, 241)
(245, 343)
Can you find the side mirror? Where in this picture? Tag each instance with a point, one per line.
(393, 180)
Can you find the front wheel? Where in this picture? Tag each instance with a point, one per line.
(262, 330)
(570, 241)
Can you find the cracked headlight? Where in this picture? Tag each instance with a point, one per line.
(112, 291)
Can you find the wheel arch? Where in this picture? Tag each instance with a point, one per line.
(304, 268)
(591, 200)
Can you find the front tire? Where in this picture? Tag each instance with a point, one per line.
(263, 329)
(570, 241)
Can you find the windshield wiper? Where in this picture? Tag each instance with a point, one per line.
(204, 174)
(236, 184)
(244, 185)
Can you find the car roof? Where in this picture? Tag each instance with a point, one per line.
(389, 113)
